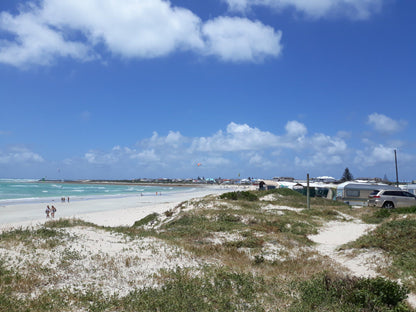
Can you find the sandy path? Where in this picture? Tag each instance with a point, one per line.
(337, 233)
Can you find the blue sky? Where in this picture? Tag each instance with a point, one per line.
(260, 88)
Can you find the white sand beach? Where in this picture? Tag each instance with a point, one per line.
(118, 264)
(105, 211)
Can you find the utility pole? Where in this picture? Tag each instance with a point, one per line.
(308, 203)
(397, 172)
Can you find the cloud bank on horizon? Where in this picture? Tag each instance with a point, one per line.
(225, 151)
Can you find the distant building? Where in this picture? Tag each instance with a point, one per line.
(369, 180)
(324, 179)
(284, 179)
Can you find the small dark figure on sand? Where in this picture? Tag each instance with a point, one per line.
(53, 211)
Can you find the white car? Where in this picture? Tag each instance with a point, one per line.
(391, 199)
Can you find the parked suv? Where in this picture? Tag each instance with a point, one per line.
(391, 199)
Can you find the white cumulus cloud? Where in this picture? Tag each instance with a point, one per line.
(374, 155)
(384, 124)
(321, 149)
(329, 145)
(354, 9)
(35, 42)
(132, 29)
(239, 39)
(238, 137)
(146, 156)
(173, 139)
(19, 155)
(100, 158)
(295, 129)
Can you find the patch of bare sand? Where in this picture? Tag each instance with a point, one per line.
(95, 259)
(363, 264)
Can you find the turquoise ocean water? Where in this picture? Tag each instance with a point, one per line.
(14, 191)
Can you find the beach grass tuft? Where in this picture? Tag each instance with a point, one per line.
(65, 223)
(146, 220)
(42, 237)
(240, 195)
(327, 292)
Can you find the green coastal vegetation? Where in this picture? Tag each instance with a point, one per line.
(255, 251)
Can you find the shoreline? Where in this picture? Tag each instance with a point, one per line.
(109, 182)
(75, 198)
(121, 210)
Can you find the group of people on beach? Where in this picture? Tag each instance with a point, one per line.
(50, 211)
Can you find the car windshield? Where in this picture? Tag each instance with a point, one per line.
(409, 194)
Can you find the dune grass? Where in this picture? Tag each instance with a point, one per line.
(259, 259)
(327, 292)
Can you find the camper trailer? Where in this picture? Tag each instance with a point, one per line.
(411, 188)
(354, 193)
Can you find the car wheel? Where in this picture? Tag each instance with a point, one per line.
(388, 205)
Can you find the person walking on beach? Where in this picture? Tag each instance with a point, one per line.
(47, 211)
(53, 211)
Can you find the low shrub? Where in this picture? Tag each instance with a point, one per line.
(243, 195)
(65, 223)
(380, 215)
(405, 210)
(335, 293)
(168, 213)
(225, 217)
(27, 236)
(219, 290)
(249, 242)
(284, 192)
(377, 216)
(258, 259)
(396, 237)
(146, 220)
